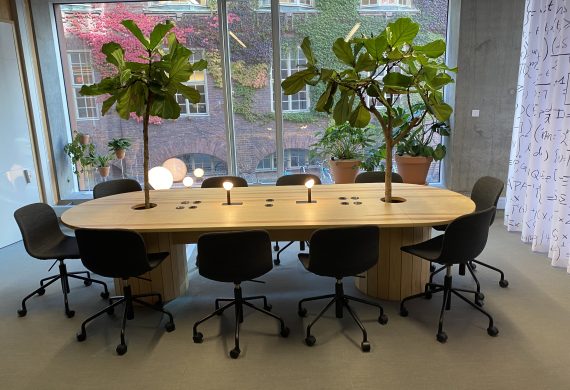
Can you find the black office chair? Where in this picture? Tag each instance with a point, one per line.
(376, 177)
(44, 240)
(120, 254)
(337, 253)
(485, 193)
(292, 180)
(218, 181)
(464, 239)
(235, 257)
(113, 187)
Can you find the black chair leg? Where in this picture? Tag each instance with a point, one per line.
(491, 330)
(65, 289)
(364, 345)
(234, 353)
(302, 311)
(435, 272)
(310, 339)
(87, 273)
(267, 306)
(81, 336)
(284, 330)
(87, 281)
(39, 291)
(170, 324)
(122, 348)
(277, 261)
(382, 319)
(441, 335)
(48, 278)
(198, 337)
(502, 282)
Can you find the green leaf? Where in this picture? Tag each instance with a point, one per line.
(165, 107)
(326, 100)
(365, 63)
(341, 111)
(433, 49)
(107, 104)
(136, 31)
(439, 81)
(360, 117)
(442, 111)
(307, 51)
(343, 52)
(199, 65)
(115, 54)
(158, 33)
(296, 82)
(439, 152)
(401, 31)
(189, 93)
(326, 74)
(376, 46)
(397, 80)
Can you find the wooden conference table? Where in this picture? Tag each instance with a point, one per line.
(182, 215)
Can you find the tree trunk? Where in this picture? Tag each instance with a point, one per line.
(388, 174)
(145, 158)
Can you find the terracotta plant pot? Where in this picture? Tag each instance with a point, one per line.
(413, 170)
(84, 139)
(104, 171)
(120, 153)
(344, 171)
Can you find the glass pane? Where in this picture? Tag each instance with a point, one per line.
(198, 137)
(254, 119)
(301, 122)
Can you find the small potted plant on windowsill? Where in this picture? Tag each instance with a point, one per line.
(81, 154)
(417, 150)
(119, 146)
(344, 145)
(102, 164)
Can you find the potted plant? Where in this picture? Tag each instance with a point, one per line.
(380, 75)
(102, 164)
(85, 139)
(81, 154)
(119, 146)
(417, 150)
(147, 88)
(344, 146)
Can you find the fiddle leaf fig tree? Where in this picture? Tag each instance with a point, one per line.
(147, 88)
(381, 76)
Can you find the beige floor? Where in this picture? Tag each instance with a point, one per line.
(532, 350)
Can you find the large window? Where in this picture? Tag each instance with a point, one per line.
(240, 135)
(82, 73)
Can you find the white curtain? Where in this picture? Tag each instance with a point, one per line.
(538, 199)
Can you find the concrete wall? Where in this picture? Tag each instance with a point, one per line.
(5, 10)
(489, 50)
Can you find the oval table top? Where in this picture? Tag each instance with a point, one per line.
(424, 206)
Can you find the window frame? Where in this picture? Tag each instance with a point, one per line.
(189, 104)
(74, 86)
(289, 98)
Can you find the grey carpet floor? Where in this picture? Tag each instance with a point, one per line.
(532, 350)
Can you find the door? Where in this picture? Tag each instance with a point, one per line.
(18, 182)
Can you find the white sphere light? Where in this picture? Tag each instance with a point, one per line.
(198, 172)
(228, 185)
(188, 181)
(160, 178)
(310, 183)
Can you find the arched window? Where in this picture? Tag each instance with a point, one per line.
(211, 165)
(296, 159)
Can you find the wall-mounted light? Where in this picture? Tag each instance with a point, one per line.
(160, 178)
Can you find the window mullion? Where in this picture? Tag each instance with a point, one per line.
(276, 39)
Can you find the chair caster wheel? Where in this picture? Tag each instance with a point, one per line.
(285, 332)
(479, 302)
(121, 349)
(302, 312)
(276, 261)
(492, 331)
(104, 295)
(365, 346)
(383, 319)
(81, 336)
(441, 337)
(310, 340)
(427, 294)
(480, 296)
(87, 283)
(169, 327)
(268, 307)
(276, 248)
(473, 266)
(403, 312)
(111, 311)
(198, 338)
(234, 353)
(159, 305)
(504, 283)
(431, 268)
(41, 291)
(70, 313)
(22, 313)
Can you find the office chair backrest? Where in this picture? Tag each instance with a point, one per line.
(218, 181)
(113, 187)
(39, 227)
(112, 252)
(296, 179)
(466, 237)
(234, 256)
(339, 252)
(377, 177)
(486, 193)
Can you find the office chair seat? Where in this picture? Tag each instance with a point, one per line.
(377, 177)
(429, 250)
(113, 187)
(44, 240)
(218, 181)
